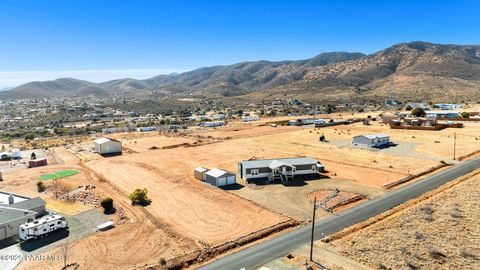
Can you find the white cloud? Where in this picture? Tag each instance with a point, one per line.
(16, 78)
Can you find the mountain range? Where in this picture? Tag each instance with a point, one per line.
(411, 71)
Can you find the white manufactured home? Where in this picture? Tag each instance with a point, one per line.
(41, 227)
(282, 168)
(443, 114)
(107, 146)
(371, 140)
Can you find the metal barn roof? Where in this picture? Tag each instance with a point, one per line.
(201, 169)
(105, 140)
(217, 173)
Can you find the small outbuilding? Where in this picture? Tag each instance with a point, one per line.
(37, 162)
(220, 178)
(200, 173)
(107, 146)
(371, 140)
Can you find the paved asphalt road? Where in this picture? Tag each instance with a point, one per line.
(259, 254)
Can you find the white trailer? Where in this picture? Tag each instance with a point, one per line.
(41, 227)
(106, 226)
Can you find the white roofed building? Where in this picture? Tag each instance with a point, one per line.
(371, 140)
(218, 177)
(107, 146)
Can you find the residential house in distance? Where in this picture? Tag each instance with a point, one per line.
(107, 146)
(442, 114)
(448, 106)
(371, 140)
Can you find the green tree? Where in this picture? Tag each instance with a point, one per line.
(465, 115)
(418, 112)
(139, 195)
(107, 204)
(29, 136)
(408, 108)
(40, 186)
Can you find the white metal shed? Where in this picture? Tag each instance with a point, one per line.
(220, 178)
(105, 146)
(200, 173)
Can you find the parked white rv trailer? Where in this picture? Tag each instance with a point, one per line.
(41, 227)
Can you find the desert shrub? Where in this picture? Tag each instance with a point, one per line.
(163, 261)
(428, 217)
(465, 115)
(383, 267)
(427, 210)
(412, 265)
(456, 213)
(419, 236)
(436, 253)
(418, 112)
(139, 196)
(40, 186)
(467, 254)
(107, 204)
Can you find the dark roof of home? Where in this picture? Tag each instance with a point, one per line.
(265, 163)
(9, 213)
(29, 204)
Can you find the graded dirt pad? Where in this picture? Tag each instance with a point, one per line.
(426, 145)
(243, 130)
(293, 200)
(135, 240)
(149, 143)
(441, 232)
(305, 142)
(185, 205)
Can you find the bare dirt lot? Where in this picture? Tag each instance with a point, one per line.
(441, 232)
(155, 142)
(187, 216)
(136, 240)
(243, 130)
(186, 205)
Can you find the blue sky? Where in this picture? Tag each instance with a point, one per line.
(107, 39)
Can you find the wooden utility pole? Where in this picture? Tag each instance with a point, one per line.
(313, 228)
(454, 144)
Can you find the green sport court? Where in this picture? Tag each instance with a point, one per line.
(58, 175)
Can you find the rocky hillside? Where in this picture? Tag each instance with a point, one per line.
(59, 87)
(415, 70)
(230, 80)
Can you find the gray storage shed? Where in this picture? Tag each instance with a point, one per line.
(200, 173)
